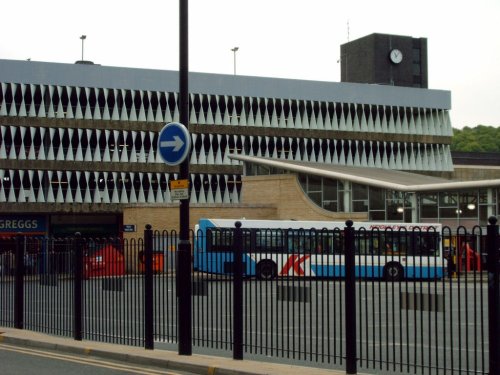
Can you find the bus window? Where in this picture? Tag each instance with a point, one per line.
(399, 244)
(429, 244)
(377, 247)
(269, 240)
(219, 240)
(423, 244)
(337, 243)
(361, 243)
(324, 243)
(297, 241)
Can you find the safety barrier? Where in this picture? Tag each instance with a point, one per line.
(311, 307)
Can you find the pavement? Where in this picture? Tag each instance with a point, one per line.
(170, 360)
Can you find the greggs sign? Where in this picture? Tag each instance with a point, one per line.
(23, 224)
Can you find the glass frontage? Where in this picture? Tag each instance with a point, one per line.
(397, 203)
(429, 206)
(359, 198)
(454, 208)
(468, 207)
(325, 192)
(381, 204)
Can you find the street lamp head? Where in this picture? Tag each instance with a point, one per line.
(83, 37)
(234, 57)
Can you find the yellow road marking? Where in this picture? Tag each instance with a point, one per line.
(86, 361)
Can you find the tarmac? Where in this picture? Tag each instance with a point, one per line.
(169, 360)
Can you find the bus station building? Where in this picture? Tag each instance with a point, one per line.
(78, 151)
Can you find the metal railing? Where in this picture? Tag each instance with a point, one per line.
(126, 292)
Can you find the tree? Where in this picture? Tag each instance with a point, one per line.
(479, 139)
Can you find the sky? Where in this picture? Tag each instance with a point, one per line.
(293, 39)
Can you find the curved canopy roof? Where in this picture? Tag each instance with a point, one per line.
(383, 178)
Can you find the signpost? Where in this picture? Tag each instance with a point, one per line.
(184, 246)
(174, 143)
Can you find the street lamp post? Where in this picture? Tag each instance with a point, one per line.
(235, 49)
(83, 37)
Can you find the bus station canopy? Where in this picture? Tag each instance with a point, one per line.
(383, 178)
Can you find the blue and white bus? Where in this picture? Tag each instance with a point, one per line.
(279, 248)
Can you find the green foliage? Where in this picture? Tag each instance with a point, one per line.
(479, 139)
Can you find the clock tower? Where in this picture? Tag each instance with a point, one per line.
(385, 60)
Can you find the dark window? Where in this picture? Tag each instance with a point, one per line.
(269, 240)
(220, 240)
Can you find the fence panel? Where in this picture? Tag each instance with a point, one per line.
(164, 286)
(430, 325)
(48, 285)
(113, 292)
(212, 304)
(414, 312)
(7, 272)
(290, 315)
(411, 316)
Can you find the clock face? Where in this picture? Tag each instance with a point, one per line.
(396, 56)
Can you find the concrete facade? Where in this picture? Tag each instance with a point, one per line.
(82, 139)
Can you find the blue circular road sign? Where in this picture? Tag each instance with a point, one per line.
(174, 143)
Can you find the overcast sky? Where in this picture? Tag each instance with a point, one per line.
(294, 39)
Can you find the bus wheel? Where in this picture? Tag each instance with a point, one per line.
(393, 272)
(266, 270)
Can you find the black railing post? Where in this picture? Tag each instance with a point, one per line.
(19, 284)
(238, 292)
(78, 296)
(148, 288)
(350, 298)
(493, 247)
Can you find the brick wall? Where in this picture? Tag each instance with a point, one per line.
(263, 197)
(166, 217)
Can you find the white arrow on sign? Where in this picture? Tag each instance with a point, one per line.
(177, 143)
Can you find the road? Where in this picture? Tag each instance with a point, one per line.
(21, 360)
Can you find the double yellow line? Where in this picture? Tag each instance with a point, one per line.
(85, 361)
